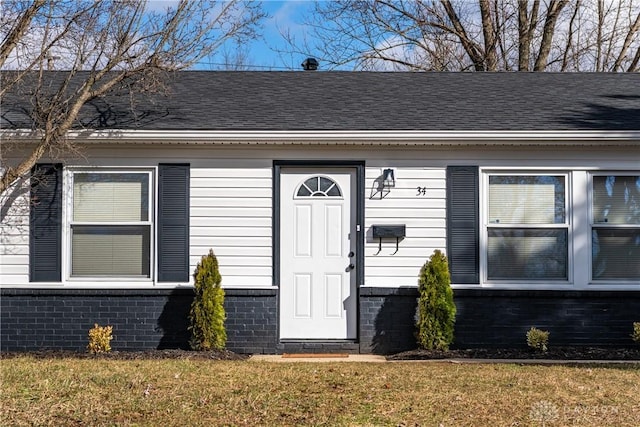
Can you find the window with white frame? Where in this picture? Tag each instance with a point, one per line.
(527, 227)
(615, 227)
(110, 224)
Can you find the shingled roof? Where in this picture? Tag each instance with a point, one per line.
(350, 101)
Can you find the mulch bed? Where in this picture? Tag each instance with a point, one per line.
(130, 355)
(554, 353)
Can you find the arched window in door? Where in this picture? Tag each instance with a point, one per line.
(319, 186)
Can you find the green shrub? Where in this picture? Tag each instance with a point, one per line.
(207, 313)
(538, 339)
(100, 339)
(436, 310)
(636, 332)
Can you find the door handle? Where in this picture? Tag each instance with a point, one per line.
(351, 267)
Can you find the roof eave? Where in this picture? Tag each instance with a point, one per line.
(353, 137)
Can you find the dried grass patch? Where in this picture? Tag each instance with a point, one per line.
(203, 392)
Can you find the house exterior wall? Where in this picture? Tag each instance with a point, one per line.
(231, 201)
(418, 201)
(34, 319)
(231, 213)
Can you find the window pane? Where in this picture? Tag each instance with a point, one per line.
(325, 183)
(616, 253)
(110, 251)
(527, 254)
(312, 184)
(334, 191)
(303, 192)
(616, 199)
(110, 197)
(517, 199)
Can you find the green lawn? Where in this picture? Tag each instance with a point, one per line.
(211, 393)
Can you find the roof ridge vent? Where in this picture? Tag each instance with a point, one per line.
(310, 64)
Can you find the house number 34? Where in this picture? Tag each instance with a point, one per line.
(421, 191)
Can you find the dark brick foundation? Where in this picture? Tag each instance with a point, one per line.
(492, 318)
(33, 319)
(387, 320)
(497, 318)
(141, 319)
(252, 320)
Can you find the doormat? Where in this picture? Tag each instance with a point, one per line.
(312, 355)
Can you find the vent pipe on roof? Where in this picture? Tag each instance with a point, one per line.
(310, 64)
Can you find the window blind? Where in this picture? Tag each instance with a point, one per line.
(616, 199)
(110, 251)
(110, 197)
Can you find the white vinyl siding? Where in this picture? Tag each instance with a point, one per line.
(424, 215)
(231, 214)
(231, 206)
(14, 235)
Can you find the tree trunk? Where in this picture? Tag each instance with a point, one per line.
(488, 32)
(555, 6)
(526, 26)
(470, 48)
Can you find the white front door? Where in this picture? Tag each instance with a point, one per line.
(317, 253)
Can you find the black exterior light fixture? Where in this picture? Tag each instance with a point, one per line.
(388, 179)
(310, 64)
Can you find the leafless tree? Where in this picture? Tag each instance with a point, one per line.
(99, 47)
(234, 58)
(480, 35)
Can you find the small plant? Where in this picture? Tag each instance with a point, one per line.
(100, 339)
(436, 309)
(538, 339)
(635, 336)
(207, 313)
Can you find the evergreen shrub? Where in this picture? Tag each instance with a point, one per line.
(207, 313)
(436, 309)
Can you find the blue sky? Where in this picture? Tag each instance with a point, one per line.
(283, 15)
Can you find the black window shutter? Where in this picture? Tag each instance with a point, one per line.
(45, 223)
(173, 223)
(463, 224)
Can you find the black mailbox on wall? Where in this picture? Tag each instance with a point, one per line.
(397, 231)
(389, 231)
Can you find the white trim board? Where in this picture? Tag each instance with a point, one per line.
(355, 137)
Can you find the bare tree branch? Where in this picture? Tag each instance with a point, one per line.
(633, 32)
(117, 45)
(634, 64)
(19, 29)
(570, 33)
(471, 48)
(481, 35)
